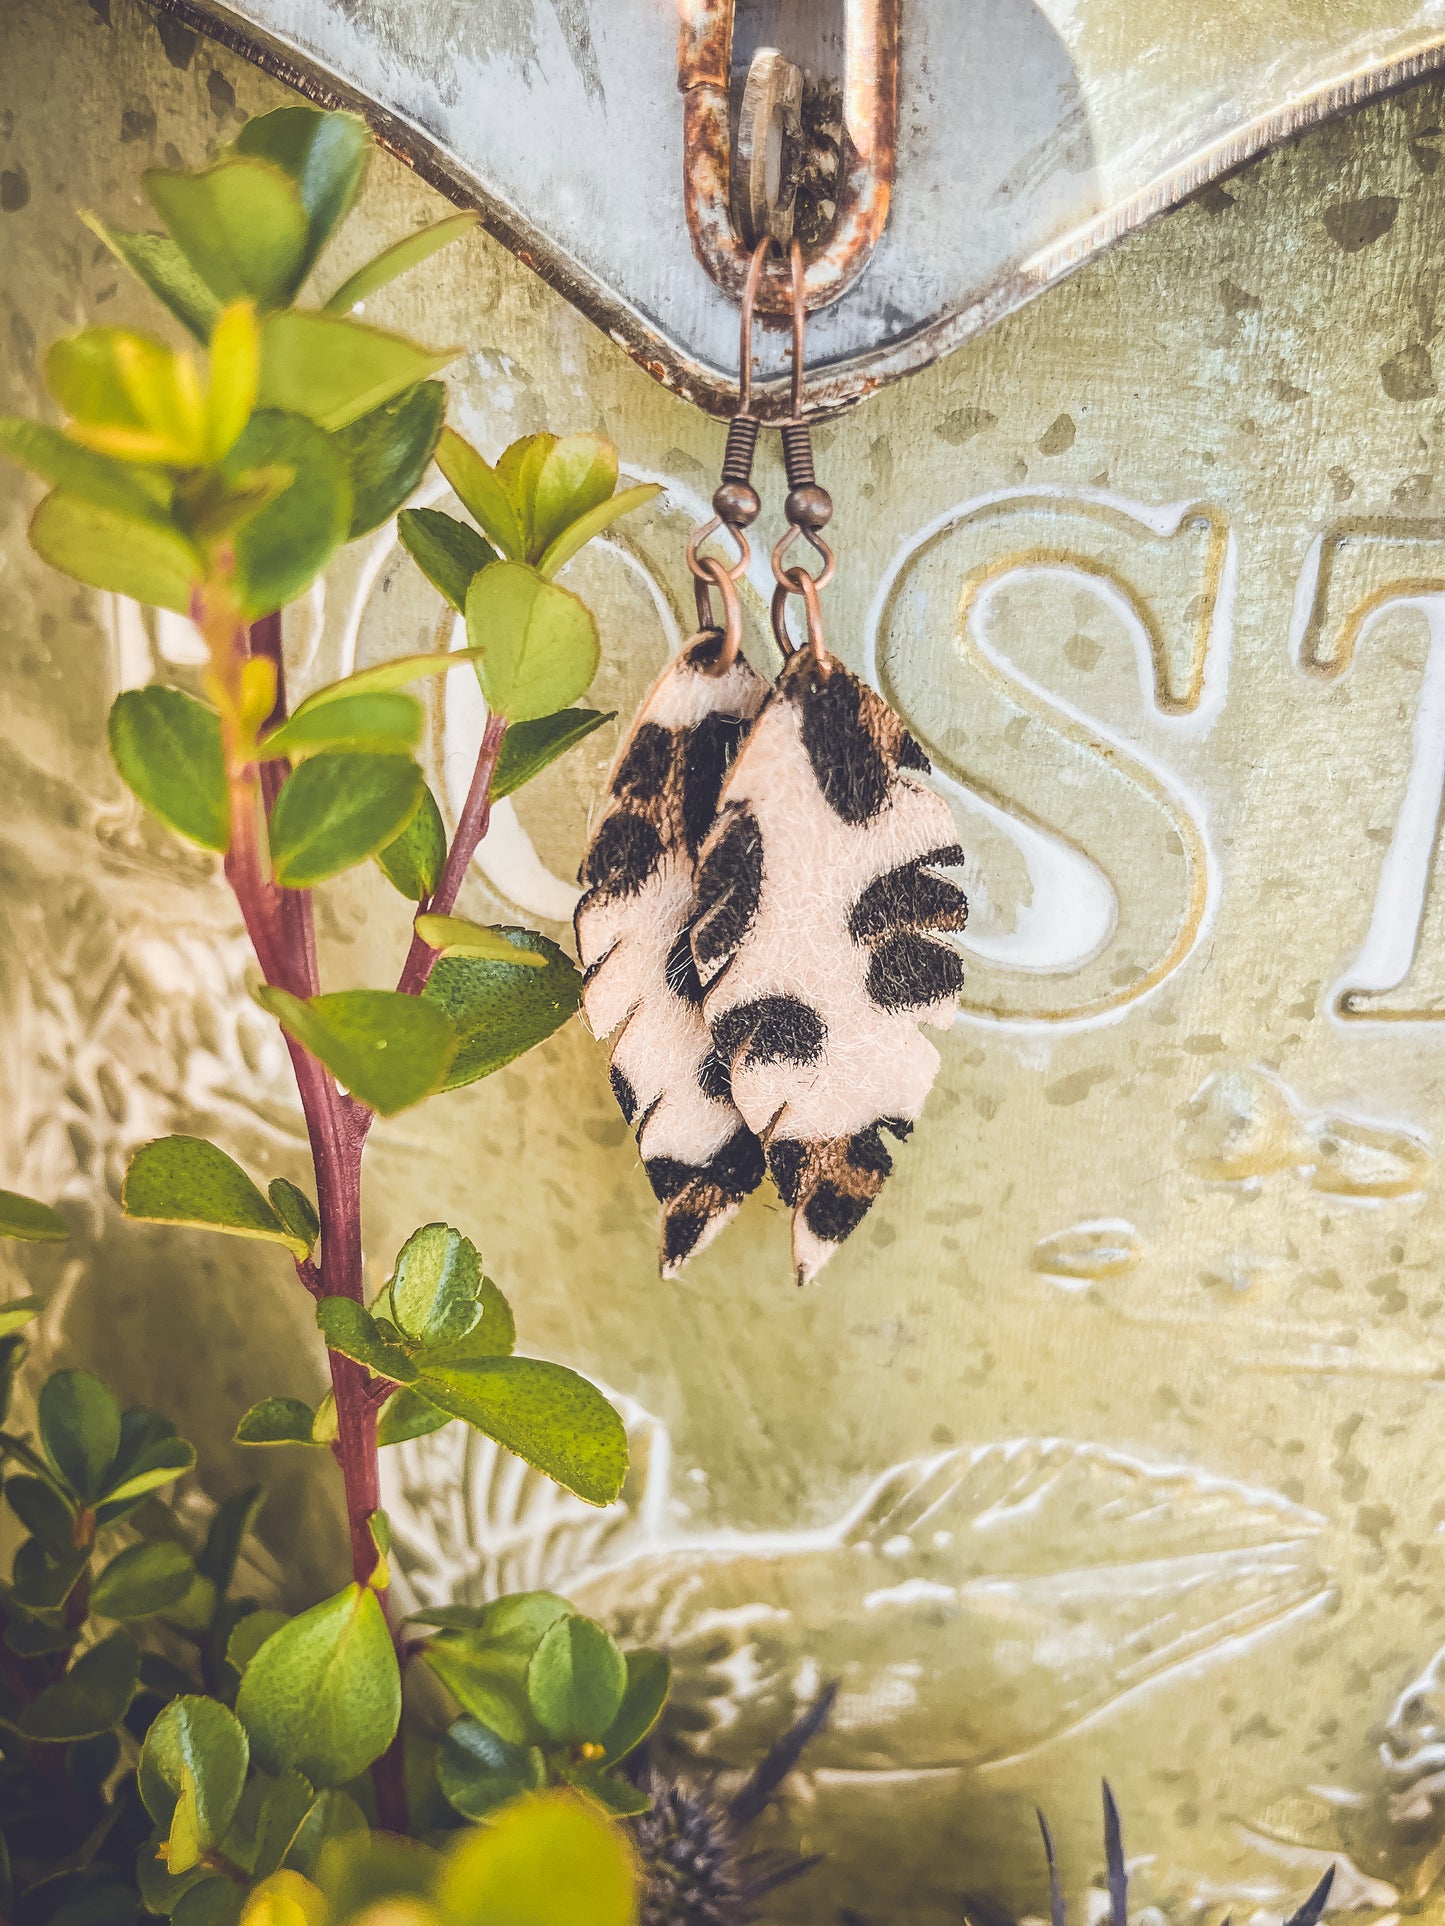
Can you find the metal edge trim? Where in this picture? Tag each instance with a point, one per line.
(844, 383)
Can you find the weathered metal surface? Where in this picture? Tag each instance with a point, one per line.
(1032, 133)
(1113, 1441)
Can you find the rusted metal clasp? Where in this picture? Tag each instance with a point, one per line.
(865, 183)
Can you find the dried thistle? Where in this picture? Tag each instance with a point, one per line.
(697, 1867)
(978, 1911)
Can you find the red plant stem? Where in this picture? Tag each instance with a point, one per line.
(281, 926)
(471, 827)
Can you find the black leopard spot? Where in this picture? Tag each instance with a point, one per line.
(713, 1079)
(770, 1029)
(908, 970)
(912, 756)
(849, 765)
(910, 896)
(680, 1231)
(623, 855)
(681, 971)
(643, 770)
(729, 885)
(668, 1175)
(707, 755)
(833, 1214)
(786, 1160)
(866, 1150)
(737, 1169)
(625, 1094)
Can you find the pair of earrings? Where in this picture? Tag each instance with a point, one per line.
(767, 907)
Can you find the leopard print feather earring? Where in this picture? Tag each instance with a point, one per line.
(768, 901)
(825, 907)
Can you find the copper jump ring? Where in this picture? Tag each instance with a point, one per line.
(797, 581)
(712, 572)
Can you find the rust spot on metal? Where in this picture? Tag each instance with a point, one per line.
(870, 130)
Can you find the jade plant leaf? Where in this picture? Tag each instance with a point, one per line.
(324, 154)
(409, 252)
(388, 1050)
(156, 262)
(280, 550)
(29, 1220)
(167, 747)
(353, 1331)
(448, 552)
(384, 722)
(240, 224)
(338, 808)
(387, 451)
(649, 1679)
(576, 1681)
(482, 493)
(322, 1697)
(500, 1010)
(276, 1421)
(92, 1696)
(127, 487)
(335, 371)
(528, 747)
(478, 1770)
(577, 476)
(405, 1415)
(577, 534)
(295, 1209)
(185, 1180)
(201, 1740)
(457, 937)
(142, 1580)
(543, 1412)
(538, 643)
(110, 550)
(80, 1430)
(435, 1290)
(412, 862)
(550, 1859)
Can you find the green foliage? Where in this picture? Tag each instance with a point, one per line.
(388, 1050)
(387, 452)
(276, 1421)
(30, 1221)
(185, 1180)
(447, 551)
(529, 747)
(207, 1743)
(338, 808)
(537, 643)
(455, 936)
(500, 1010)
(546, 1697)
(413, 861)
(385, 722)
(434, 1295)
(323, 1694)
(401, 256)
(295, 1209)
(167, 747)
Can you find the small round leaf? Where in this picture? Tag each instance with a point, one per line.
(576, 1681)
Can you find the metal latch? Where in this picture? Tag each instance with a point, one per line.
(733, 199)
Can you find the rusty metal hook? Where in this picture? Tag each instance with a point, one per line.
(870, 129)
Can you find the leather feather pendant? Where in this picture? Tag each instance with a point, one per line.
(816, 938)
(639, 983)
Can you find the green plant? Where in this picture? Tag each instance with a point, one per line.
(220, 490)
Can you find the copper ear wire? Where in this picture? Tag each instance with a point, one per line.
(735, 502)
(809, 507)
